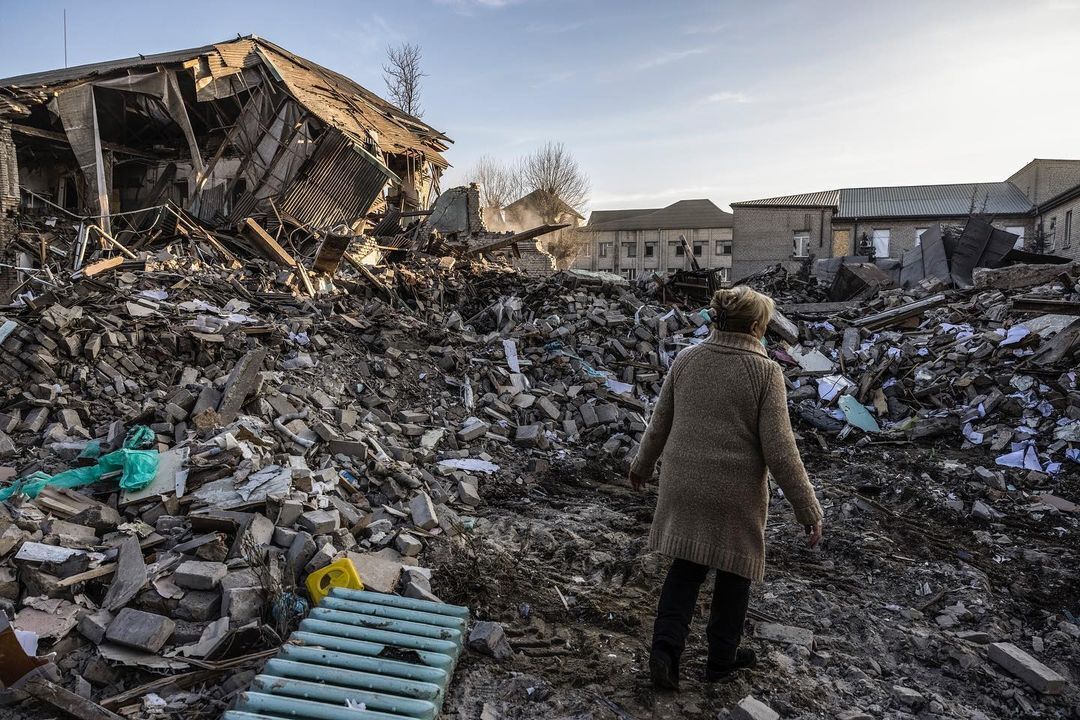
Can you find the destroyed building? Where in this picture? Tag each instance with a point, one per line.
(230, 131)
(633, 243)
(1036, 204)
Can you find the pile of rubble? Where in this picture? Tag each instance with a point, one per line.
(185, 437)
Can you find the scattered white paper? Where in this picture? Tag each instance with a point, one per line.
(832, 385)
(619, 388)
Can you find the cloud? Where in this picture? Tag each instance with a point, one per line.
(467, 6)
(668, 58)
(706, 29)
(727, 96)
(555, 28)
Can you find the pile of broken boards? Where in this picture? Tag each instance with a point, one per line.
(287, 433)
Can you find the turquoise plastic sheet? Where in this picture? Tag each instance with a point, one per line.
(137, 468)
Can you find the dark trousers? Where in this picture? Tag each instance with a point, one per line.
(731, 595)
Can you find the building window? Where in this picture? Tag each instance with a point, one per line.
(1018, 231)
(1066, 239)
(723, 247)
(629, 273)
(603, 250)
(631, 249)
(881, 242)
(1051, 235)
(699, 247)
(800, 243)
(679, 250)
(650, 249)
(918, 235)
(724, 274)
(587, 250)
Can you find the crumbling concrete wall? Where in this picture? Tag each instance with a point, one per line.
(762, 237)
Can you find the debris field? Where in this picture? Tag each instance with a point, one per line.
(316, 356)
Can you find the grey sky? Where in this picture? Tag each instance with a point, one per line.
(664, 101)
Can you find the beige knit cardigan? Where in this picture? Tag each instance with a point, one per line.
(722, 423)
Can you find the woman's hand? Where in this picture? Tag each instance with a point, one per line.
(813, 534)
(637, 481)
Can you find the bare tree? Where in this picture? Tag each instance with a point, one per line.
(500, 182)
(565, 245)
(554, 169)
(402, 75)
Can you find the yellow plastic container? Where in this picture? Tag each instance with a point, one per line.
(341, 573)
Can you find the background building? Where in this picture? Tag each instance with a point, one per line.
(886, 221)
(634, 242)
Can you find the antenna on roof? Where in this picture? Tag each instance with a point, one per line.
(65, 37)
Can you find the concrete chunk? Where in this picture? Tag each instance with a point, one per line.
(320, 522)
(140, 630)
(489, 638)
(750, 708)
(1027, 668)
(786, 634)
(197, 575)
(423, 511)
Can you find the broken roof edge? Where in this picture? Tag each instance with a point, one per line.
(81, 73)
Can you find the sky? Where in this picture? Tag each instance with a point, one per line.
(662, 101)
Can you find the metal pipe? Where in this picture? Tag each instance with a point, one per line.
(411, 698)
(389, 611)
(293, 708)
(355, 654)
(388, 624)
(411, 642)
(401, 602)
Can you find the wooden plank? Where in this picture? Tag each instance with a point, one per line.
(88, 575)
(1045, 305)
(66, 701)
(267, 244)
(101, 266)
(896, 315)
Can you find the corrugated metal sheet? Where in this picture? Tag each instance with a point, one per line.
(995, 198)
(338, 184)
(825, 198)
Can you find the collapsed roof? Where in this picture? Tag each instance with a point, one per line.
(230, 130)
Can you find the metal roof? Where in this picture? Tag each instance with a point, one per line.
(685, 214)
(602, 216)
(825, 198)
(993, 198)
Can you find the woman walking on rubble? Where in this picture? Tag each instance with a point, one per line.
(721, 422)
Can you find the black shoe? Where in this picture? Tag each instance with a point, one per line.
(663, 671)
(744, 658)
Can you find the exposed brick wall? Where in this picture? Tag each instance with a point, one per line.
(763, 237)
(1041, 180)
(9, 171)
(1065, 246)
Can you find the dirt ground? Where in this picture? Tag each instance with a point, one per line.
(893, 559)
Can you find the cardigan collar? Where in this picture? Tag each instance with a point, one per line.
(736, 341)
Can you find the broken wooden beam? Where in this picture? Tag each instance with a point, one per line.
(896, 315)
(268, 245)
(1045, 305)
(66, 701)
